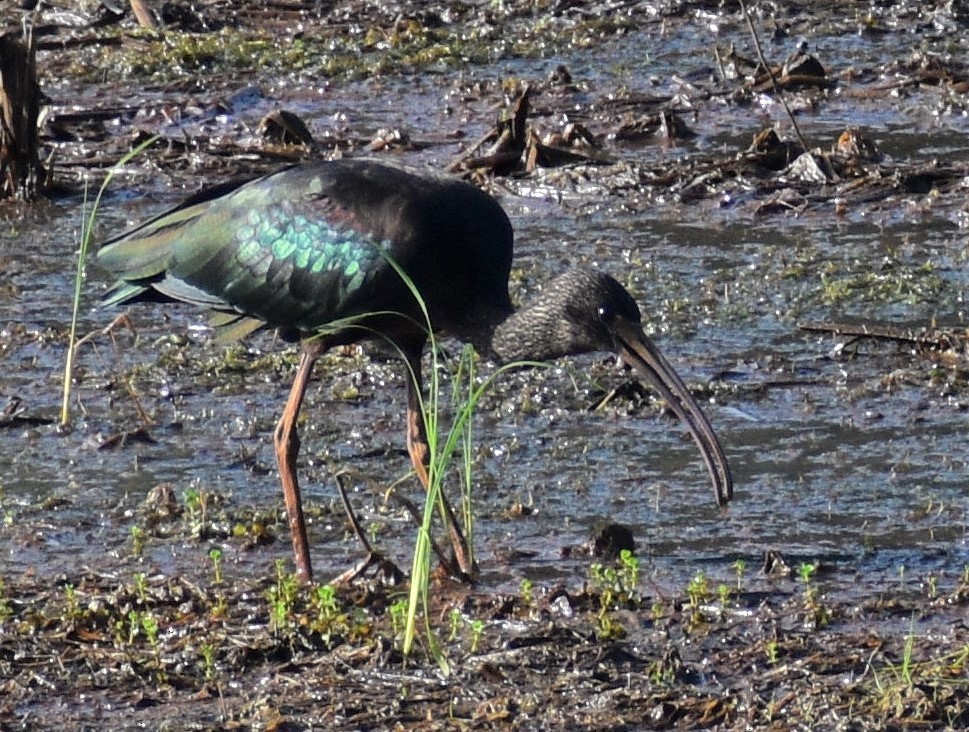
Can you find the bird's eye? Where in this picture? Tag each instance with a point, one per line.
(605, 313)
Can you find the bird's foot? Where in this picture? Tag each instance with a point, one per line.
(450, 569)
(383, 569)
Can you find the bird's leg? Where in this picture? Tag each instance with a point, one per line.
(416, 518)
(420, 456)
(374, 559)
(286, 440)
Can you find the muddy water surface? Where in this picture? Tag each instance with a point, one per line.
(853, 458)
(833, 461)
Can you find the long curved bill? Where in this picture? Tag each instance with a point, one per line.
(637, 350)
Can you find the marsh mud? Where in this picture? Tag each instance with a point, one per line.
(141, 547)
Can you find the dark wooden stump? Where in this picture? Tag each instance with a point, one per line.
(20, 167)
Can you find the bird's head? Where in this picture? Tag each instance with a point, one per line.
(584, 311)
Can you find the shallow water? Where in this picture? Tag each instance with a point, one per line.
(834, 459)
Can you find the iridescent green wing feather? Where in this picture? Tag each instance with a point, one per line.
(279, 249)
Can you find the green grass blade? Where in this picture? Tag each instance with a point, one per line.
(86, 235)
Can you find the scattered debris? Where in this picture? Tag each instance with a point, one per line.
(285, 128)
(21, 173)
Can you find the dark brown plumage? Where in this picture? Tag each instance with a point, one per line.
(309, 250)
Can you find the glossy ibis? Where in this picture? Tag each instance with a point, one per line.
(306, 248)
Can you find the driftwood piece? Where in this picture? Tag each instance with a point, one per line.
(508, 138)
(930, 338)
(516, 146)
(20, 167)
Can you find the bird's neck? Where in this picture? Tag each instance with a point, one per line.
(564, 319)
(534, 333)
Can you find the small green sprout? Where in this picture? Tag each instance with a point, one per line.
(137, 540)
(817, 614)
(195, 504)
(150, 625)
(398, 616)
(807, 571)
(215, 554)
(526, 587)
(207, 652)
(477, 632)
(772, 652)
(738, 567)
(73, 605)
(6, 611)
(628, 571)
(454, 621)
(141, 587)
(326, 602)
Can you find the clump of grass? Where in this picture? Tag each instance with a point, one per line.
(667, 667)
(441, 449)
(282, 599)
(698, 590)
(617, 587)
(328, 612)
(442, 445)
(909, 682)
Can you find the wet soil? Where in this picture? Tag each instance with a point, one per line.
(141, 575)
